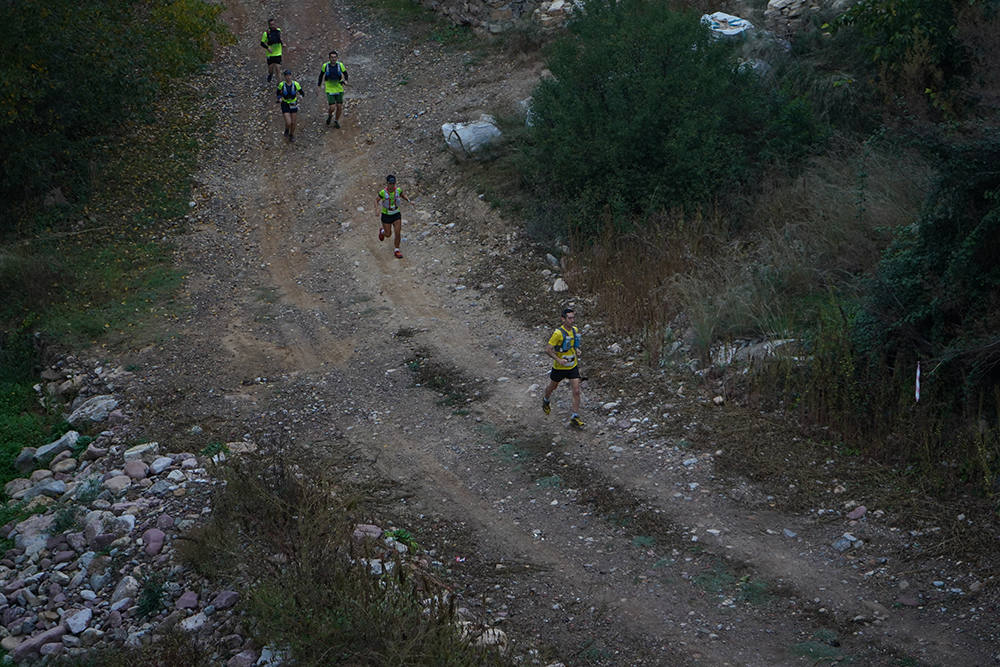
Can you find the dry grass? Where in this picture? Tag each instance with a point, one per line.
(803, 237)
(286, 535)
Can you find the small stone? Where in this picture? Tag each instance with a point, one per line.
(159, 487)
(225, 599)
(136, 468)
(52, 648)
(64, 466)
(194, 623)
(124, 603)
(363, 530)
(718, 400)
(78, 621)
(153, 539)
(114, 619)
(791, 534)
(690, 462)
(53, 488)
(176, 476)
(247, 658)
(560, 285)
(857, 512)
(141, 451)
(25, 461)
(94, 409)
(160, 464)
(118, 483)
(93, 453)
(164, 521)
(15, 486)
(842, 544)
(45, 453)
(29, 646)
(91, 636)
(187, 600)
(128, 587)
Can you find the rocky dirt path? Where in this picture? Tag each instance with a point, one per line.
(619, 545)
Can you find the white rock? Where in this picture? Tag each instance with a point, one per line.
(560, 285)
(194, 623)
(139, 451)
(94, 409)
(467, 139)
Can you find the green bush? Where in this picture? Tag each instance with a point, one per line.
(915, 45)
(937, 291)
(20, 426)
(647, 112)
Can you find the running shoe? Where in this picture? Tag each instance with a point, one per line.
(328, 118)
(546, 407)
(575, 422)
(398, 254)
(336, 124)
(269, 78)
(291, 137)
(286, 131)
(381, 234)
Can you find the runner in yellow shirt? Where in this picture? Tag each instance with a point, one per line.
(564, 349)
(271, 41)
(333, 76)
(392, 219)
(287, 95)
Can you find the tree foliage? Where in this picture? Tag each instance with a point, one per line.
(936, 295)
(646, 111)
(915, 45)
(73, 75)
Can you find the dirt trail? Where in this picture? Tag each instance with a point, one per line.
(301, 322)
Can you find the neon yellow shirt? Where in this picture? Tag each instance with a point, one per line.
(272, 49)
(390, 201)
(333, 86)
(289, 95)
(567, 345)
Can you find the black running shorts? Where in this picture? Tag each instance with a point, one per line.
(560, 374)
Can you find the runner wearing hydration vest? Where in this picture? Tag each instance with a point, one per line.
(564, 350)
(392, 219)
(288, 96)
(333, 76)
(271, 41)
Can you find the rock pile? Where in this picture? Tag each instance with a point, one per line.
(90, 557)
(786, 17)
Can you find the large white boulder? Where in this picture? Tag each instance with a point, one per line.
(467, 139)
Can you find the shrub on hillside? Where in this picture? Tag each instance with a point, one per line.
(916, 46)
(646, 112)
(937, 292)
